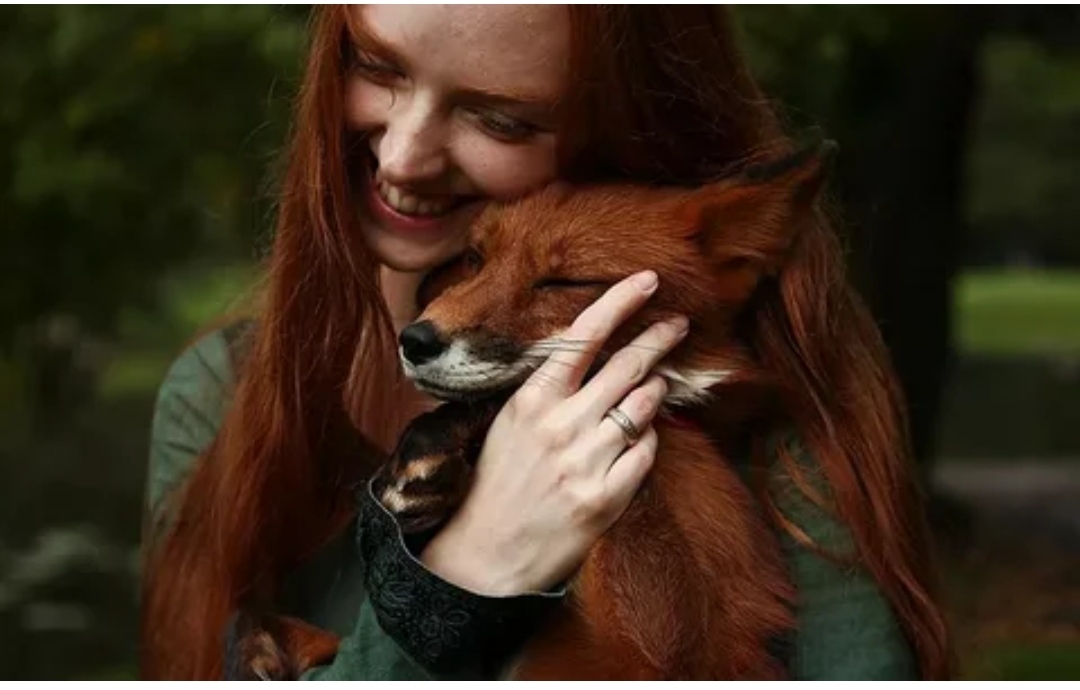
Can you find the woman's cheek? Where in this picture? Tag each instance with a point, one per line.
(503, 171)
(366, 104)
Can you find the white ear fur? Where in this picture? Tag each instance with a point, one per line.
(690, 387)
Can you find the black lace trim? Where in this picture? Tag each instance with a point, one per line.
(442, 627)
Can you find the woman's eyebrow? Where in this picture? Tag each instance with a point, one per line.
(496, 96)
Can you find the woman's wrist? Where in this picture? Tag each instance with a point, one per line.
(450, 558)
(442, 625)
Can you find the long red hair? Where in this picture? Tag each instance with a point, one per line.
(660, 94)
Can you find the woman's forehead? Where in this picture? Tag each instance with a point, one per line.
(516, 48)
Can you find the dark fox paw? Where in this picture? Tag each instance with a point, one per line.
(253, 653)
(430, 471)
(270, 647)
(422, 492)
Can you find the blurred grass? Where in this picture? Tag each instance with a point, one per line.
(1027, 661)
(1015, 385)
(1018, 312)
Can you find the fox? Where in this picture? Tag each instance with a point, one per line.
(690, 583)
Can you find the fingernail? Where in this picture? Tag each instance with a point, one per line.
(681, 324)
(646, 280)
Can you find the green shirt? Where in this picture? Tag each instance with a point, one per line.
(846, 629)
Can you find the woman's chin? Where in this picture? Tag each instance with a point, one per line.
(409, 256)
(418, 245)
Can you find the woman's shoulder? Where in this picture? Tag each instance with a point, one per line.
(190, 404)
(846, 626)
(801, 493)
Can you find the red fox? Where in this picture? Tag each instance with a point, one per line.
(690, 583)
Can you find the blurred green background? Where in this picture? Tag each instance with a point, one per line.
(137, 158)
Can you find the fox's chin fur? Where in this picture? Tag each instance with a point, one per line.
(459, 375)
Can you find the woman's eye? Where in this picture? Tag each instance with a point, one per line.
(504, 127)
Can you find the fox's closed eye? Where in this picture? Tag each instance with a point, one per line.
(558, 283)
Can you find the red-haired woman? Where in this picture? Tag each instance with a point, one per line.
(409, 119)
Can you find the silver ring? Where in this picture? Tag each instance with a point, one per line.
(629, 429)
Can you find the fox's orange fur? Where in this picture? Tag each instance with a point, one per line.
(690, 583)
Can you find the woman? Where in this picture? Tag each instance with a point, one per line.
(409, 118)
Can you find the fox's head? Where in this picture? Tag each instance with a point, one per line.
(534, 265)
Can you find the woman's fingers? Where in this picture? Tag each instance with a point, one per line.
(629, 471)
(637, 410)
(627, 367)
(565, 368)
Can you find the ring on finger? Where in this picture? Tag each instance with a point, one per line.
(630, 431)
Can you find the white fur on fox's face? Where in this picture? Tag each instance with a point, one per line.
(459, 373)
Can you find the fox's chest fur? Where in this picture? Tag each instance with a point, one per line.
(689, 584)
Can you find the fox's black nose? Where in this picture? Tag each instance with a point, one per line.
(420, 342)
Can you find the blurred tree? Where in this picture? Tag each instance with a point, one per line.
(1023, 207)
(898, 87)
(895, 86)
(132, 140)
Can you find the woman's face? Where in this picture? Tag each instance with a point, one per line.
(458, 103)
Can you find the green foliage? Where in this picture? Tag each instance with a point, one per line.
(190, 300)
(802, 53)
(132, 138)
(1026, 154)
(829, 65)
(135, 142)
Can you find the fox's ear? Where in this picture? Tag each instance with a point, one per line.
(753, 216)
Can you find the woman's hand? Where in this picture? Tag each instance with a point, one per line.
(555, 473)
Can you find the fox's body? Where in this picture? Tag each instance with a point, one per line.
(690, 582)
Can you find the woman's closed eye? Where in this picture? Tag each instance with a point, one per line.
(502, 126)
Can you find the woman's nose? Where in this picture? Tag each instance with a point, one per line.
(413, 147)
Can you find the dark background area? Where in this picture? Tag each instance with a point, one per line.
(137, 153)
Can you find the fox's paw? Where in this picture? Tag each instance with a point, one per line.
(428, 474)
(254, 652)
(430, 471)
(422, 492)
(264, 646)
